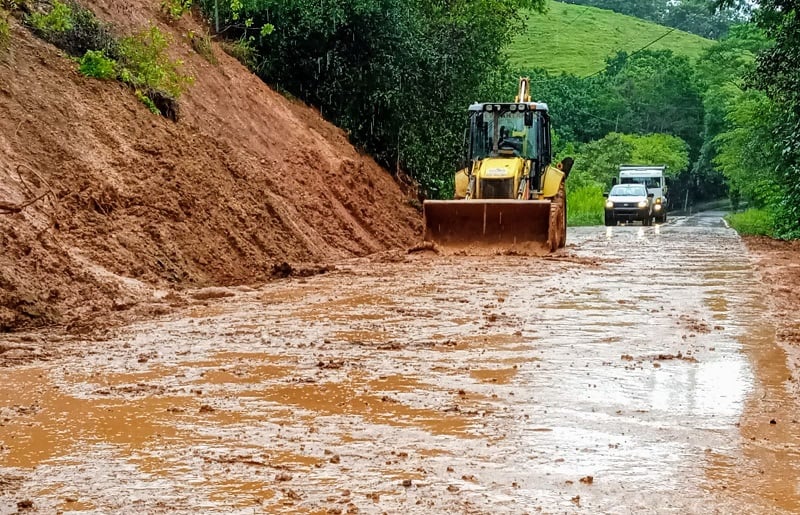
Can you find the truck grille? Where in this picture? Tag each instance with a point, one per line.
(497, 188)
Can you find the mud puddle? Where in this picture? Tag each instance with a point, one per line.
(629, 375)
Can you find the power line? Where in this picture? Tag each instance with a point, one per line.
(659, 38)
(578, 16)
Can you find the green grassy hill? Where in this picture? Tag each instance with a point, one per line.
(577, 39)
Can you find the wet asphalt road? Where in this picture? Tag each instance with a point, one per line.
(635, 373)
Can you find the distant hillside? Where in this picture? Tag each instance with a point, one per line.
(577, 39)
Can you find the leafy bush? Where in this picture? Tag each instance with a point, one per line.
(95, 64)
(58, 20)
(146, 66)
(243, 51)
(585, 205)
(73, 29)
(147, 101)
(758, 222)
(176, 8)
(139, 60)
(201, 43)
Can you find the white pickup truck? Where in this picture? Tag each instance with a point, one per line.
(652, 177)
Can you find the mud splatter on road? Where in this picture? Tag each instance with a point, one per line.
(643, 359)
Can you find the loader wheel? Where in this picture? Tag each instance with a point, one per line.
(561, 198)
(564, 227)
(557, 228)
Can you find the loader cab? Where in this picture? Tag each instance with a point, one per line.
(504, 130)
(497, 129)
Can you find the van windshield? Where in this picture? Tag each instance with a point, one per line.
(648, 182)
(628, 190)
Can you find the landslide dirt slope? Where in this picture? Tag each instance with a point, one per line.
(245, 179)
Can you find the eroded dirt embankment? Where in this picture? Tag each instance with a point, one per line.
(134, 201)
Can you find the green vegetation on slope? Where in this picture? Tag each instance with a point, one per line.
(753, 222)
(578, 39)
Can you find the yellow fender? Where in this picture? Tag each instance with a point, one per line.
(462, 184)
(553, 177)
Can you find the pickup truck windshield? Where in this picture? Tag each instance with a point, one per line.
(628, 191)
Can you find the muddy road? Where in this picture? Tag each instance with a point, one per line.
(637, 372)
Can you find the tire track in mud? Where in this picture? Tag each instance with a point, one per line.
(611, 379)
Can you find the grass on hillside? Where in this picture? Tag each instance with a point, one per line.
(577, 39)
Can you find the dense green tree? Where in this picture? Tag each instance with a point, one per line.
(659, 149)
(598, 161)
(721, 72)
(746, 151)
(777, 75)
(661, 95)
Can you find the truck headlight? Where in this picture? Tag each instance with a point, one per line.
(657, 207)
(643, 204)
(610, 205)
(658, 200)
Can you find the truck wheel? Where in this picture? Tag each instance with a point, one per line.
(647, 221)
(610, 220)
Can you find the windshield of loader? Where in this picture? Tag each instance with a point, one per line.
(503, 133)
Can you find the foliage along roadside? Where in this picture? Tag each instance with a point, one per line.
(753, 222)
(139, 60)
(777, 77)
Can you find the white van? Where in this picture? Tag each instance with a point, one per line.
(652, 177)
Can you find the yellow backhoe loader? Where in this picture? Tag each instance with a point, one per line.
(509, 193)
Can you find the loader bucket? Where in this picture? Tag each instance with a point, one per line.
(486, 222)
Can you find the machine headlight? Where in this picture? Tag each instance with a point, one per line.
(609, 204)
(658, 200)
(643, 204)
(657, 207)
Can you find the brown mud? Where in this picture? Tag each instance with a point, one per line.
(134, 205)
(637, 372)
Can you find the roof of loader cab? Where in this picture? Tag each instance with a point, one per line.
(496, 106)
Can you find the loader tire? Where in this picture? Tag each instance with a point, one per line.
(557, 231)
(561, 197)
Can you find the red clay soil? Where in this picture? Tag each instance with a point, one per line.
(135, 202)
(778, 264)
